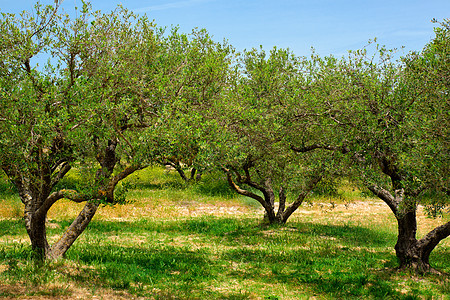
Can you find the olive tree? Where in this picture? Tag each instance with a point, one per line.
(393, 117)
(266, 115)
(84, 108)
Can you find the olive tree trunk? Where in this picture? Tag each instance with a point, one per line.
(35, 190)
(411, 252)
(268, 199)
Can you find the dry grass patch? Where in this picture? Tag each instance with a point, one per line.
(60, 292)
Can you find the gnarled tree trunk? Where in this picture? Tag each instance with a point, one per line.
(411, 252)
(36, 228)
(75, 229)
(35, 222)
(35, 190)
(35, 219)
(268, 200)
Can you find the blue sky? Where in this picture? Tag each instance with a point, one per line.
(330, 26)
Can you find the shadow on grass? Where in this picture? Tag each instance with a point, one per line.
(176, 271)
(232, 230)
(350, 234)
(6, 188)
(337, 268)
(332, 272)
(333, 260)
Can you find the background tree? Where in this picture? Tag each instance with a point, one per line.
(394, 117)
(82, 108)
(195, 71)
(261, 117)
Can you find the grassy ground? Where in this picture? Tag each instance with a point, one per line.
(200, 242)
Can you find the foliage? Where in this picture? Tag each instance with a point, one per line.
(393, 117)
(118, 94)
(194, 70)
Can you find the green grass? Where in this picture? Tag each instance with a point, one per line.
(322, 256)
(200, 258)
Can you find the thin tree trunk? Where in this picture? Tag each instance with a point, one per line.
(74, 231)
(178, 167)
(300, 198)
(198, 175)
(193, 172)
(180, 171)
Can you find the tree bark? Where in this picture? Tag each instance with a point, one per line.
(34, 220)
(74, 231)
(281, 202)
(177, 166)
(431, 240)
(406, 239)
(269, 198)
(411, 253)
(38, 236)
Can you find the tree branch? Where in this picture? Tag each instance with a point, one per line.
(62, 172)
(240, 190)
(303, 149)
(55, 196)
(82, 122)
(301, 197)
(386, 196)
(116, 179)
(37, 86)
(44, 23)
(247, 179)
(430, 241)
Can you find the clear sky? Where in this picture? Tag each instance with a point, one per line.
(330, 26)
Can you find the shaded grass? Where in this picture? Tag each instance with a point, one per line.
(12, 227)
(119, 267)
